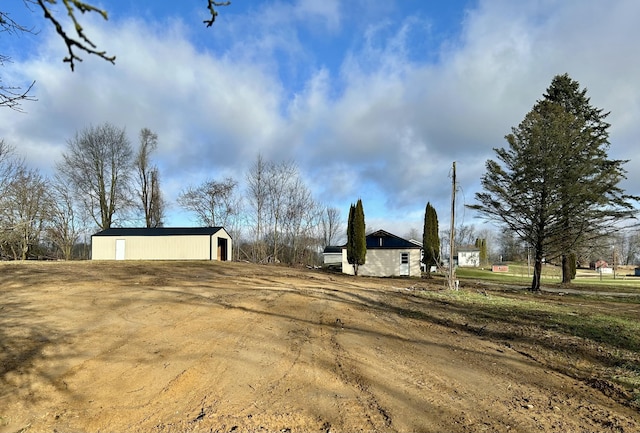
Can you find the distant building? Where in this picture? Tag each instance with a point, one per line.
(468, 257)
(332, 256)
(499, 267)
(598, 264)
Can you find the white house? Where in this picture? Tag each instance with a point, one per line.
(162, 243)
(468, 257)
(387, 255)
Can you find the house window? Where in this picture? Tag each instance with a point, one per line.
(404, 258)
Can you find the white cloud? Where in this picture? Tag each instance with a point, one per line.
(326, 11)
(381, 119)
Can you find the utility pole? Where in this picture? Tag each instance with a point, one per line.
(452, 272)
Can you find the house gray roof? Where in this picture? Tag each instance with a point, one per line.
(384, 239)
(158, 231)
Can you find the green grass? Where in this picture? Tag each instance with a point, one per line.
(521, 275)
(616, 328)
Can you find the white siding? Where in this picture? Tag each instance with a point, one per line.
(222, 234)
(332, 258)
(468, 259)
(182, 247)
(384, 263)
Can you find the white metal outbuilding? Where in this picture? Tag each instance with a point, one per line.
(162, 243)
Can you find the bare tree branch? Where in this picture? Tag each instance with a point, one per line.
(211, 6)
(12, 96)
(83, 43)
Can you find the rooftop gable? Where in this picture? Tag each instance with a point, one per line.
(384, 239)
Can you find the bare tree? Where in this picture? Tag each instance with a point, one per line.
(66, 222)
(148, 180)
(214, 203)
(465, 235)
(331, 225)
(10, 165)
(627, 245)
(414, 234)
(97, 164)
(26, 206)
(283, 214)
(279, 176)
(300, 223)
(257, 205)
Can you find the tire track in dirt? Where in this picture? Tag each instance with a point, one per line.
(368, 406)
(357, 405)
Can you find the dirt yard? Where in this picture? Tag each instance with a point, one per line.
(232, 347)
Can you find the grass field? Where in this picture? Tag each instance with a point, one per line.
(603, 328)
(586, 279)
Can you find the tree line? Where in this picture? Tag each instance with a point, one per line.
(102, 181)
(553, 190)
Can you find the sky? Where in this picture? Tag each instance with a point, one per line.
(372, 99)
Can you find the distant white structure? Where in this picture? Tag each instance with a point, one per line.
(332, 256)
(468, 257)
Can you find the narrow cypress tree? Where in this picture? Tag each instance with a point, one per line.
(356, 238)
(350, 235)
(481, 244)
(430, 239)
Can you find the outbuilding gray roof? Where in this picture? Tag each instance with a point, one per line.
(330, 249)
(158, 231)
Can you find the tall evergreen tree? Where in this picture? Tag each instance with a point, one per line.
(554, 185)
(481, 244)
(591, 132)
(356, 238)
(430, 239)
(350, 235)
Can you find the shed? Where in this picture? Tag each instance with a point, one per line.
(332, 256)
(500, 267)
(387, 255)
(162, 243)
